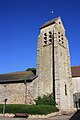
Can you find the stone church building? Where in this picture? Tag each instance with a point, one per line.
(54, 75)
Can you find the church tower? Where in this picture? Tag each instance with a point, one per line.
(53, 64)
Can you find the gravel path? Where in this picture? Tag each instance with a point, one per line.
(4, 118)
(63, 117)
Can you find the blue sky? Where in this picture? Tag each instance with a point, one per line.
(19, 28)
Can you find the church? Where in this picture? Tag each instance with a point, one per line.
(54, 74)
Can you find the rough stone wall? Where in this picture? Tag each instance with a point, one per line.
(63, 80)
(76, 84)
(18, 93)
(44, 64)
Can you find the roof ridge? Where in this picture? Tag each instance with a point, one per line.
(15, 72)
(75, 66)
(49, 22)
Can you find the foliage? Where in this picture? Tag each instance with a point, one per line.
(32, 69)
(29, 109)
(45, 100)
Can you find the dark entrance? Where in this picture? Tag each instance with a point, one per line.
(76, 98)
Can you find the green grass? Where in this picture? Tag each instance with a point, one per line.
(29, 109)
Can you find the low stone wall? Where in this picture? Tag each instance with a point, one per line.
(40, 116)
(33, 116)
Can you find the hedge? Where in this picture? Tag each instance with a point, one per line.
(29, 109)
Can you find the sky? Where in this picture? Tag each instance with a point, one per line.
(20, 21)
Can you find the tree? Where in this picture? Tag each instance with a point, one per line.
(32, 69)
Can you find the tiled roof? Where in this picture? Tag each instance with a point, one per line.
(49, 23)
(75, 71)
(17, 77)
(28, 76)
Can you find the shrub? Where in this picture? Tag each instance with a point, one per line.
(45, 100)
(1, 108)
(29, 109)
(32, 69)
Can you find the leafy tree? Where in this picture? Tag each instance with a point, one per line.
(32, 69)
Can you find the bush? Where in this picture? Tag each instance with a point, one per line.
(1, 108)
(29, 109)
(45, 100)
(32, 69)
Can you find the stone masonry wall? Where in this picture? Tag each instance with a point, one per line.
(63, 81)
(18, 93)
(44, 64)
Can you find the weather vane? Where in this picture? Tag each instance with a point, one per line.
(52, 12)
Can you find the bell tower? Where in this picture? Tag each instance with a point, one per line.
(53, 64)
